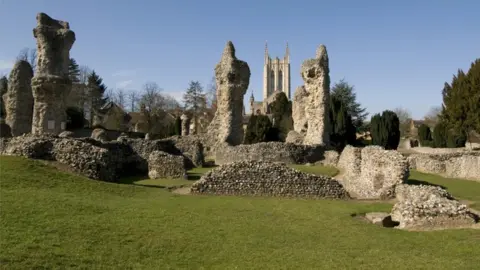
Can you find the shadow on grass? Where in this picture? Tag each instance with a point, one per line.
(420, 182)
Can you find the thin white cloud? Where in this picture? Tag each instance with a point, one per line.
(124, 73)
(124, 84)
(6, 64)
(178, 95)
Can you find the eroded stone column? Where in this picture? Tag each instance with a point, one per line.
(19, 99)
(51, 84)
(232, 78)
(185, 125)
(315, 74)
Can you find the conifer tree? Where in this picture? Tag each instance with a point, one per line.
(195, 100)
(440, 135)
(96, 89)
(461, 101)
(346, 94)
(178, 126)
(343, 131)
(74, 71)
(385, 130)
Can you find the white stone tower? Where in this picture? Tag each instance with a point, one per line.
(276, 74)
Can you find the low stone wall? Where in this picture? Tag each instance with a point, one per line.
(164, 165)
(372, 172)
(270, 151)
(436, 151)
(264, 178)
(429, 207)
(464, 164)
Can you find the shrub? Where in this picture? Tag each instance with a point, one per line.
(385, 130)
(424, 134)
(178, 126)
(259, 129)
(455, 140)
(440, 135)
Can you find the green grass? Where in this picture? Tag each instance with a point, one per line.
(317, 169)
(52, 219)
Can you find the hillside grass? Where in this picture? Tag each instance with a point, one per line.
(53, 219)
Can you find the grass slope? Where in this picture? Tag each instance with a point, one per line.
(53, 219)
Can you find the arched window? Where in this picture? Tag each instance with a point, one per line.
(272, 83)
(280, 81)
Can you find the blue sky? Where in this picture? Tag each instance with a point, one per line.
(396, 53)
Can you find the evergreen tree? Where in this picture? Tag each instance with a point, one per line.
(424, 135)
(346, 93)
(258, 129)
(343, 131)
(455, 139)
(385, 130)
(440, 135)
(281, 109)
(74, 71)
(195, 100)
(96, 89)
(178, 125)
(461, 101)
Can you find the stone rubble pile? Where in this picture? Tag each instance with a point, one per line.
(165, 165)
(263, 178)
(429, 207)
(372, 172)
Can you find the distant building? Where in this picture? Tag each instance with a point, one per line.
(276, 78)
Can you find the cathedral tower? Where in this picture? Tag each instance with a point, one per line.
(276, 74)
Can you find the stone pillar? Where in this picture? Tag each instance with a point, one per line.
(233, 77)
(185, 125)
(19, 99)
(51, 84)
(315, 74)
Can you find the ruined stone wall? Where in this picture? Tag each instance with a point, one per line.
(261, 178)
(460, 164)
(232, 78)
(106, 161)
(270, 151)
(19, 99)
(51, 84)
(372, 172)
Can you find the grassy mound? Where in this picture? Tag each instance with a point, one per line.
(54, 219)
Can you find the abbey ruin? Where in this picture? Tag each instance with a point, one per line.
(35, 109)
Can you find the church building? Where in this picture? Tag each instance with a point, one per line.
(276, 78)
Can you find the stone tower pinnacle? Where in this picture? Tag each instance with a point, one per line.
(276, 74)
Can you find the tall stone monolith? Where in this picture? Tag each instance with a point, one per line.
(51, 84)
(19, 99)
(232, 78)
(185, 125)
(315, 74)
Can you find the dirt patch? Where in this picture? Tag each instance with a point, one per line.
(185, 190)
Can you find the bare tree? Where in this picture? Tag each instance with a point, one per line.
(29, 55)
(152, 107)
(432, 116)
(84, 73)
(133, 98)
(121, 98)
(404, 117)
(212, 93)
(170, 103)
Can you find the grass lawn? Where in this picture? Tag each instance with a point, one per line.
(53, 219)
